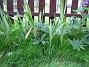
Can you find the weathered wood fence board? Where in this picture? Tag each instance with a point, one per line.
(1, 3)
(10, 5)
(52, 10)
(20, 4)
(42, 7)
(74, 5)
(31, 4)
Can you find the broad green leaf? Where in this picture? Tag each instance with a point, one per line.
(43, 36)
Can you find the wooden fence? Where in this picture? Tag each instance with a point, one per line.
(52, 10)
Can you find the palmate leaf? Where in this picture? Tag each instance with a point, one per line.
(71, 42)
(36, 42)
(43, 36)
(43, 42)
(77, 44)
(86, 39)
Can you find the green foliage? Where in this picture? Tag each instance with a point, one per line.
(75, 23)
(42, 33)
(77, 44)
(86, 39)
(84, 15)
(63, 4)
(29, 16)
(51, 34)
(41, 40)
(5, 23)
(48, 52)
(1, 33)
(42, 27)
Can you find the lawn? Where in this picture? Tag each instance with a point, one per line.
(31, 43)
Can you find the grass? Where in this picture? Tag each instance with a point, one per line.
(24, 54)
(54, 45)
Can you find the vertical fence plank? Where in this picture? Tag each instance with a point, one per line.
(42, 8)
(52, 7)
(31, 5)
(74, 5)
(1, 4)
(20, 4)
(41, 5)
(9, 5)
(10, 8)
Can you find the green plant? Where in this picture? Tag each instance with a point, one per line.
(86, 39)
(51, 33)
(84, 15)
(5, 23)
(77, 44)
(41, 40)
(74, 29)
(75, 23)
(42, 27)
(1, 33)
(26, 22)
(63, 4)
(42, 33)
(48, 52)
(30, 20)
